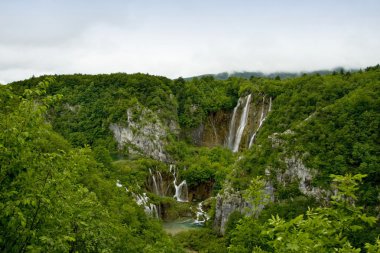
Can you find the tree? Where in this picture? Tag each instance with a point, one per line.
(324, 229)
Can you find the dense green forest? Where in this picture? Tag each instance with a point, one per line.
(68, 184)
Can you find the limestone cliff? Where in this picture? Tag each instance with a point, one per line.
(142, 133)
(295, 169)
(227, 202)
(213, 131)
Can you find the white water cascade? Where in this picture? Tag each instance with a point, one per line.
(202, 216)
(157, 183)
(270, 104)
(149, 208)
(231, 132)
(143, 200)
(261, 121)
(181, 192)
(242, 124)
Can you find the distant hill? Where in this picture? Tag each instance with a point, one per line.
(282, 75)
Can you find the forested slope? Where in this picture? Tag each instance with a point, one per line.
(61, 158)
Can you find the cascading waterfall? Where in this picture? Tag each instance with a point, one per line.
(158, 185)
(202, 216)
(242, 124)
(143, 200)
(231, 132)
(149, 208)
(181, 192)
(261, 121)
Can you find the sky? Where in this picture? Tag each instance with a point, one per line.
(185, 38)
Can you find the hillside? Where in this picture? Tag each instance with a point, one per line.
(258, 164)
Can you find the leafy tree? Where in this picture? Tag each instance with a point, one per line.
(324, 229)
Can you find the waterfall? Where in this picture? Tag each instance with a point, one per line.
(155, 187)
(149, 208)
(181, 192)
(262, 119)
(202, 216)
(252, 139)
(143, 200)
(231, 132)
(270, 104)
(260, 123)
(243, 123)
(157, 183)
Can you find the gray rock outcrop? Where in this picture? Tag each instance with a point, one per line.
(227, 203)
(143, 133)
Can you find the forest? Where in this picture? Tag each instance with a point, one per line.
(104, 163)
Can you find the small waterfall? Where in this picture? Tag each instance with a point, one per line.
(243, 123)
(262, 119)
(202, 216)
(157, 182)
(143, 200)
(149, 208)
(181, 192)
(270, 104)
(252, 139)
(118, 184)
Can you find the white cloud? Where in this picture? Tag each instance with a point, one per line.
(177, 43)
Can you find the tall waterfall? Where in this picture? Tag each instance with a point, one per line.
(181, 191)
(242, 124)
(262, 119)
(231, 132)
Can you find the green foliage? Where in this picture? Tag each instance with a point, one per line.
(324, 229)
(247, 236)
(256, 194)
(199, 97)
(57, 199)
(201, 240)
(373, 248)
(205, 165)
(288, 208)
(91, 103)
(233, 221)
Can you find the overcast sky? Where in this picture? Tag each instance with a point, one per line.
(184, 38)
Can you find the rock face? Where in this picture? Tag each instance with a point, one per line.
(214, 130)
(201, 192)
(143, 133)
(297, 171)
(231, 200)
(226, 203)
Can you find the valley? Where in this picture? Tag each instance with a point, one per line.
(142, 163)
